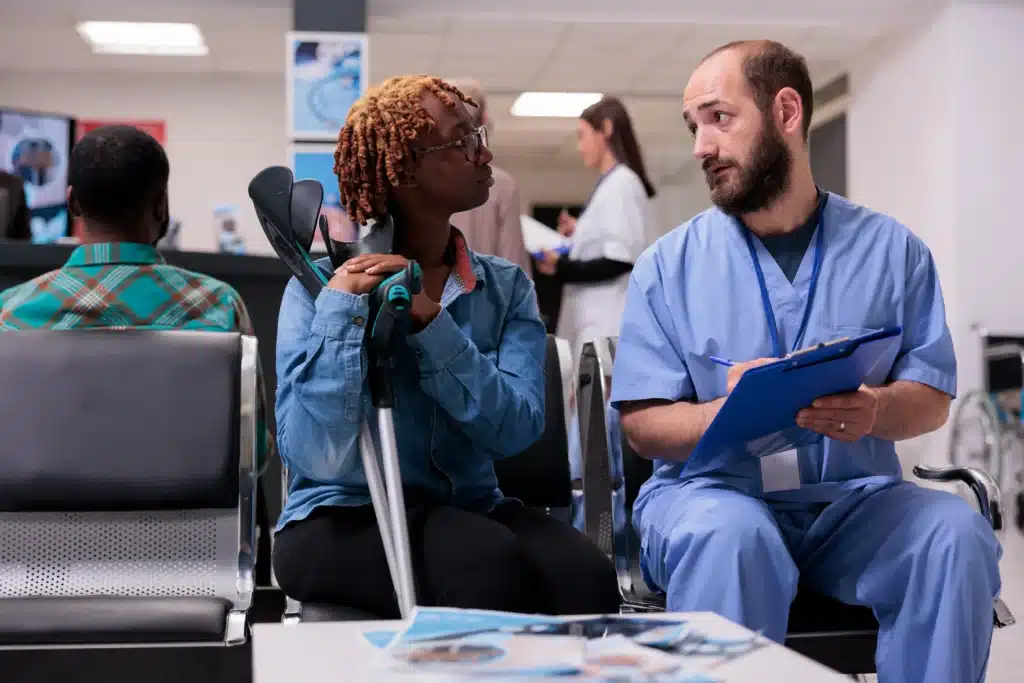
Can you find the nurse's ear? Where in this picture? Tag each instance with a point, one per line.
(607, 128)
(788, 112)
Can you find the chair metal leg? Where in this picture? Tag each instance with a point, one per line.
(1003, 616)
(292, 612)
(236, 627)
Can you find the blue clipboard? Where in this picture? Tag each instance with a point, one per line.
(759, 417)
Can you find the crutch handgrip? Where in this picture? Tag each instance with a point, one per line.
(390, 304)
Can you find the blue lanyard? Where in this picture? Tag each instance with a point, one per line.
(769, 314)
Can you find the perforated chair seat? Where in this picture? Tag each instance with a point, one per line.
(42, 622)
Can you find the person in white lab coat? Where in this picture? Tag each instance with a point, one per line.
(610, 234)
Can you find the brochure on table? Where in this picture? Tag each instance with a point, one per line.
(463, 644)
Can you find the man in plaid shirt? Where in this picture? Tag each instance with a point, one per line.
(117, 180)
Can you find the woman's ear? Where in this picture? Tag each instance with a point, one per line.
(607, 128)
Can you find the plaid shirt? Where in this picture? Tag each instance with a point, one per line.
(127, 285)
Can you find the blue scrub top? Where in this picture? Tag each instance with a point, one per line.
(695, 294)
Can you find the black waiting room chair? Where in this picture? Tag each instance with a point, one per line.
(840, 636)
(127, 487)
(540, 476)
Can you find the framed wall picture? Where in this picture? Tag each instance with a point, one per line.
(326, 73)
(316, 161)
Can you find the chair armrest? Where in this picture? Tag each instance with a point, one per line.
(990, 502)
(247, 474)
(608, 521)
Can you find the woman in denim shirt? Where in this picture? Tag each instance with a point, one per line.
(468, 380)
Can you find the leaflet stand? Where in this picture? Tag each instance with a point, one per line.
(289, 212)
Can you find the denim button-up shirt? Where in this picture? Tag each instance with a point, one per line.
(469, 389)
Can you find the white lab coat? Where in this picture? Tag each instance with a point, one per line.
(613, 225)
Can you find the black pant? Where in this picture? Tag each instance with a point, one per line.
(515, 559)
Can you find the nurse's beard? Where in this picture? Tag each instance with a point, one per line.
(760, 183)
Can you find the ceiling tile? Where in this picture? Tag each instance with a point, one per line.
(394, 54)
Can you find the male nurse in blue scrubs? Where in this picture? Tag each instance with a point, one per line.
(774, 266)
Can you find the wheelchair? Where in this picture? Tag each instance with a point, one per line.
(987, 424)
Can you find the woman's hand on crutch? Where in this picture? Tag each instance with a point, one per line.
(361, 274)
(424, 309)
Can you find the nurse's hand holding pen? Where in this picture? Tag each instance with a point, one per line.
(736, 370)
(843, 417)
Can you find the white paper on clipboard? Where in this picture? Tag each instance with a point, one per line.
(537, 237)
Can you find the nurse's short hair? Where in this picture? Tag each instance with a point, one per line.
(768, 67)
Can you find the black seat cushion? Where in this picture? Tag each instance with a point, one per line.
(813, 612)
(119, 420)
(539, 476)
(112, 620)
(840, 636)
(322, 611)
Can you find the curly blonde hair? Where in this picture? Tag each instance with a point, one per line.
(373, 154)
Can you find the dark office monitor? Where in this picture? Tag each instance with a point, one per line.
(35, 146)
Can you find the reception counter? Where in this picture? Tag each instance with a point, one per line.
(260, 280)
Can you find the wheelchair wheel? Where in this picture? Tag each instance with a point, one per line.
(977, 438)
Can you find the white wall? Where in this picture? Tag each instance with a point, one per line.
(989, 103)
(552, 186)
(935, 140)
(221, 131)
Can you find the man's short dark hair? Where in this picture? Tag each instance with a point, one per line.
(116, 173)
(768, 67)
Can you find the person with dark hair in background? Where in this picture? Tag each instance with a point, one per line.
(778, 265)
(610, 233)
(15, 221)
(494, 227)
(468, 381)
(117, 185)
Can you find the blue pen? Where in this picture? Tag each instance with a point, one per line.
(721, 361)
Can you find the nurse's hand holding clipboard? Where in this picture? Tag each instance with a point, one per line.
(843, 417)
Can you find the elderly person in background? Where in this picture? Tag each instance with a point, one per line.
(494, 227)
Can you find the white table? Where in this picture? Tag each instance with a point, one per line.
(335, 652)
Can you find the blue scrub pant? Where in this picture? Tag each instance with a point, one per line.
(922, 559)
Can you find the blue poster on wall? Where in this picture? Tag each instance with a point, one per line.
(317, 162)
(326, 74)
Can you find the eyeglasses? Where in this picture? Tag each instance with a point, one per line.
(471, 145)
